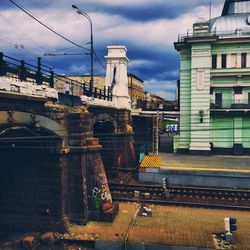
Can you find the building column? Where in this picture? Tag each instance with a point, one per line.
(248, 60)
(238, 58)
(185, 101)
(219, 61)
(200, 100)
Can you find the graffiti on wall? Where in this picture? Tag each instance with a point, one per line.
(100, 192)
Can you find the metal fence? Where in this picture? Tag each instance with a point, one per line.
(220, 33)
(42, 74)
(231, 104)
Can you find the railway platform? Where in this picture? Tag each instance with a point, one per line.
(212, 171)
(167, 228)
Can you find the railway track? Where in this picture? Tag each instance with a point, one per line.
(184, 196)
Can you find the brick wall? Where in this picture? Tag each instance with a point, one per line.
(30, 189)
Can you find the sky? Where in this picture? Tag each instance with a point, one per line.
(147, 28)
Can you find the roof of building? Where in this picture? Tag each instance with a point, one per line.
(236, 6)
(235, 17)
(230, 23)
(136, 77)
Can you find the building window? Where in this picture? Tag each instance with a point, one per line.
(243, 60)
(214, 61)
(218, 100)
(223, 61)
(238, 90)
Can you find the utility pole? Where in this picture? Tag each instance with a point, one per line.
(210, 10)
(153, 134)
(157, 134)
(83, 13)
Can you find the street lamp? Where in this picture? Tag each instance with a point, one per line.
(83, 13)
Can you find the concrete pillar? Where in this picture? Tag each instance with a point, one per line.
(219, 61)
(230, 61)
(90, 194)
(248, 60)
(117, 76)
(200, 99)
(238, 130)
(238, 62)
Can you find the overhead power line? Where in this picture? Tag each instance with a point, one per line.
(17, 46)
(99, 61)
(21, 31)
(55, 32)
(46, 26)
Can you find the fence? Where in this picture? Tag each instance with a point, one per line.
(231, 104)
(42, 74)
(220, 33)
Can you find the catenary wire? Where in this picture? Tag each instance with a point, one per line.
(46, 26)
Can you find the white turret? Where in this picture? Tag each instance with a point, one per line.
(117, 76)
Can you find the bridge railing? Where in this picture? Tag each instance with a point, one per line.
(42, 74)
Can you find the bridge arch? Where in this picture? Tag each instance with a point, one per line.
(31, 171)
(104, 124)
(8, 117)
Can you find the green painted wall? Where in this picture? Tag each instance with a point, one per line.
(246, 132)
(222, 131)
(230, 48)
(185, 102)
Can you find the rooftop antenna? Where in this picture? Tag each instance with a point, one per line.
(210, 10)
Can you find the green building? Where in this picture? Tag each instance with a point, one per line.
(215, 83)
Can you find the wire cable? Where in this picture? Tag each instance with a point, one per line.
(31, 39)
(99, 60)
(17, 46)
(47, 27)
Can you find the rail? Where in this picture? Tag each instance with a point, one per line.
(231, 104)
(184, 196)
(221, 34)
(43, 75)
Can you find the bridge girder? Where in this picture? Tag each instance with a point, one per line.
(14, 118)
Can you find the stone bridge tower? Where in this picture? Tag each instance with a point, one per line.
(116, 75)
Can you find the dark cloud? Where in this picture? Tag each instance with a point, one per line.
(141, 13)
(34, 4)
(163, 60)
(149, 11)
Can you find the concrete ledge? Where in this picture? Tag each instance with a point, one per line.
(218, 179)
(200, 152)
(106, 245)
(20, 96)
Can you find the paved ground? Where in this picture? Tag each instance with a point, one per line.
(168, 225)
(206, 163)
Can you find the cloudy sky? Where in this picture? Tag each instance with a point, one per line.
(147, 28)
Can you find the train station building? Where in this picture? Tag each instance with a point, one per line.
(215, 84)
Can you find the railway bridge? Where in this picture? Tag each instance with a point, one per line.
(54, 156)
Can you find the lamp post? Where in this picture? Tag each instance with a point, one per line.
(83, 13)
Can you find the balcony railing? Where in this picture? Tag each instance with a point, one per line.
(231, 104)
(221, 34)
(42, 75)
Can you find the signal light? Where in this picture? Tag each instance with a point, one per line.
(165, 183)
(230, 224)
